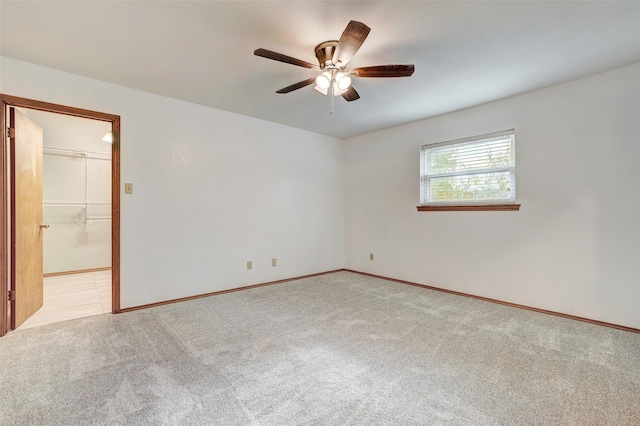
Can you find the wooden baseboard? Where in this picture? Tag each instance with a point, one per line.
(457, 293)
(80, 271)
(231, 290)
(500, 302)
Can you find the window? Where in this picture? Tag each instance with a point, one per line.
(476, 173)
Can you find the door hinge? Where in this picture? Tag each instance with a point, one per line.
(12, 295)
(11, 132)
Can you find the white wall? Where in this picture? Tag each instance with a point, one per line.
(211, 189)
(70, 243)
(214, 189)
(574, 247)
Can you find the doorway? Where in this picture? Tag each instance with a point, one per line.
(76, 217)
(93, 214)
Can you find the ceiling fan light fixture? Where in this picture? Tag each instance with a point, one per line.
(343, 81)
(338, 92)
(324, 80)
(321, 90)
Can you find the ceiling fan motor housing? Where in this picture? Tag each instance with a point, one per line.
(324, 53)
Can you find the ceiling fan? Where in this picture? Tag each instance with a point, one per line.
(333, 57)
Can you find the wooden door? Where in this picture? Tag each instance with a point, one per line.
(26, 217)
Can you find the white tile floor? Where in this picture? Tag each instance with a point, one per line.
(73, 296)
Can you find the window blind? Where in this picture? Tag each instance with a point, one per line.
(480, 169)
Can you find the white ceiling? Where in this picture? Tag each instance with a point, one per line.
(465, 53)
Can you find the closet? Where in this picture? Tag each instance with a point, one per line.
(76, 205)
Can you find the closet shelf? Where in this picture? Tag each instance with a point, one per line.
(75, 203)
(74, 152)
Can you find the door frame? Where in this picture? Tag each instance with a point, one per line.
(7, 224)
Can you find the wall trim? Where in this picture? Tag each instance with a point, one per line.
(500, 302)
(231, 290)
(79, 271)
(469, 208)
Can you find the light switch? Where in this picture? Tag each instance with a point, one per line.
(128, 188)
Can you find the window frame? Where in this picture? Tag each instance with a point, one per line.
(470, 205)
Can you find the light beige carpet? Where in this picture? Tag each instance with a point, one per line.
(337, 349)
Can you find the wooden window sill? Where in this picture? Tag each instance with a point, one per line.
(471, 207)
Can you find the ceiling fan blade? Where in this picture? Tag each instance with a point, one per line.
(351, 94)
(349, 43)
(284, 58)
(297, 86)
(383, 71)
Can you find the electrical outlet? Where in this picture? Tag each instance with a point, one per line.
(128, 188)
(274, 262)
(370, 256)
(249, 264)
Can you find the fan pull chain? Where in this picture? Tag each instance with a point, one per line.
(331, 94)
(86, 183)
(332, 101)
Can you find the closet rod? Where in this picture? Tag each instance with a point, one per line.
(90, 221)
(102, 157)
(75, 203)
